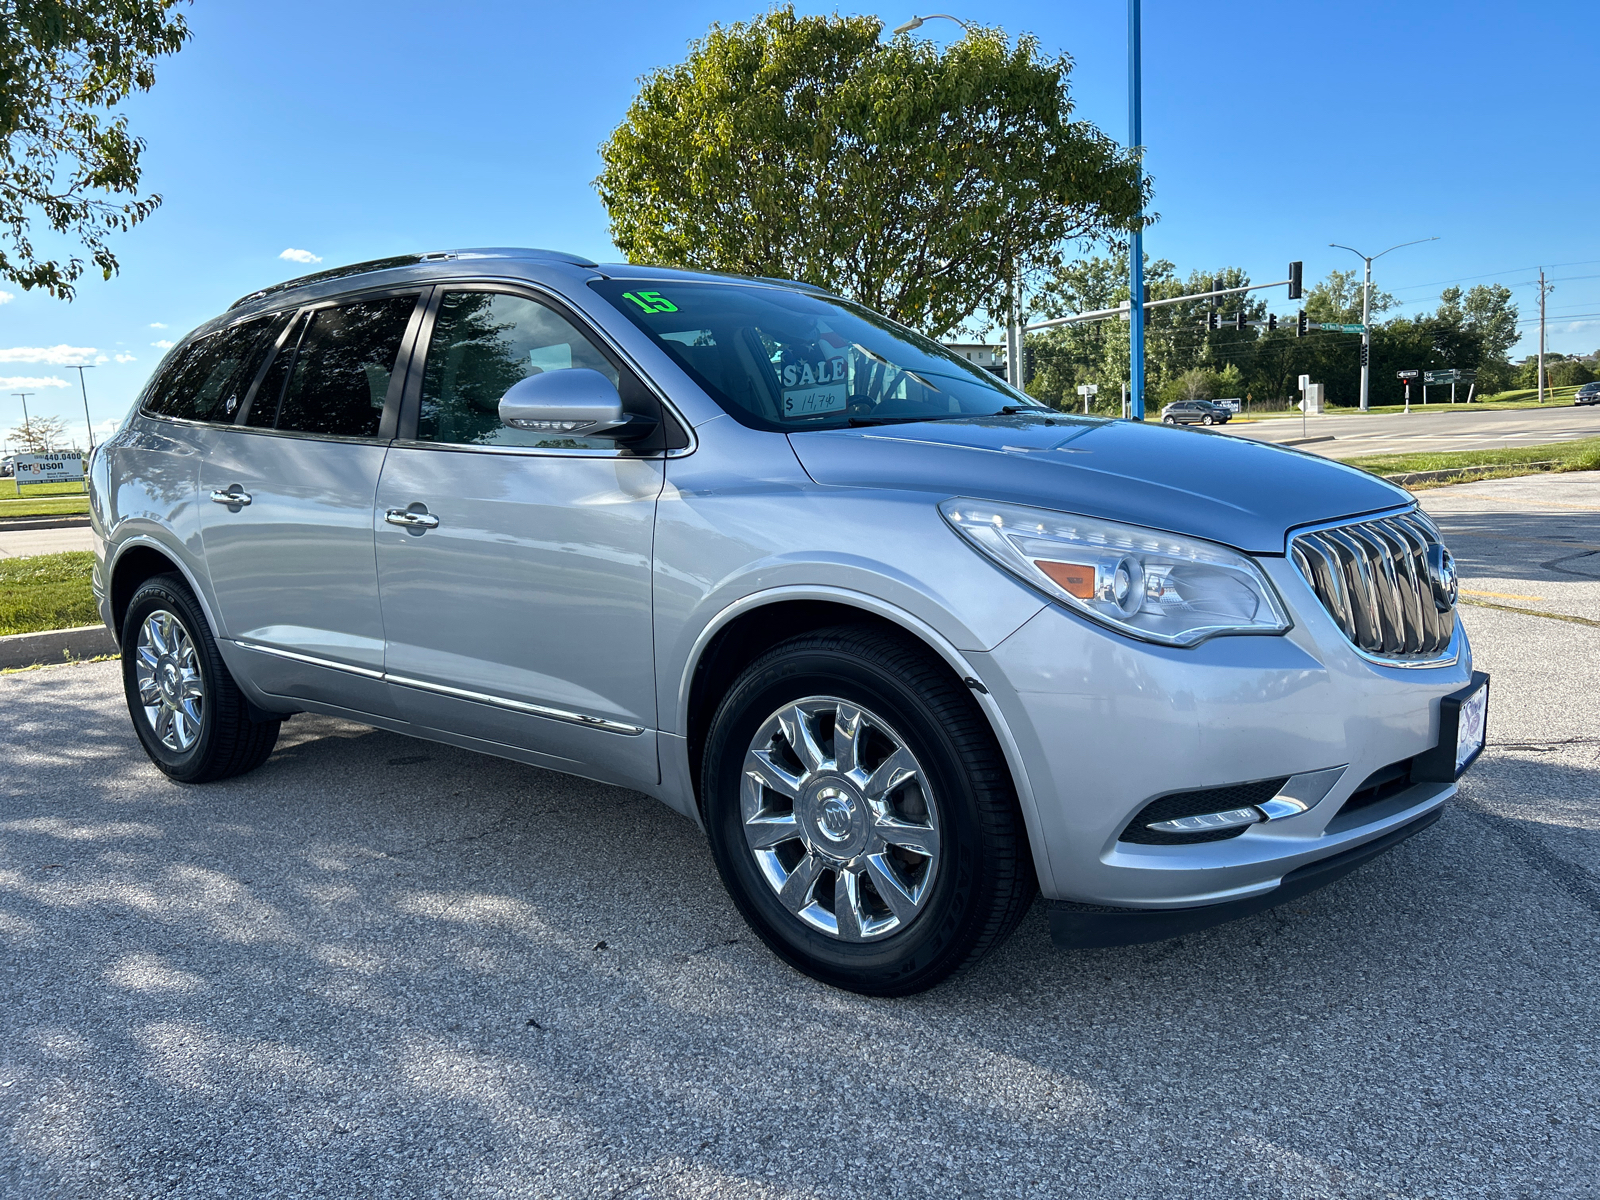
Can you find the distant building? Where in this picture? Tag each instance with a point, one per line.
(979, 353)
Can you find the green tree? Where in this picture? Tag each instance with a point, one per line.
(915, 181)
(1337, 299)
(65, 155)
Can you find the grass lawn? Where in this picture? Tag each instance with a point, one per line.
(1582, 455)
(41, 499)
(46, 591)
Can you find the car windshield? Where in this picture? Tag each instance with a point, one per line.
(785, 360)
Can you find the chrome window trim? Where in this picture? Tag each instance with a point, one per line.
(535, 451)
(521, 706)
(1448, 657)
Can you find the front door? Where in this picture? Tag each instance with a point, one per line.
(286, 499)
(514, 566)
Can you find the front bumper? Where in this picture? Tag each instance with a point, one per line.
(1103, 724)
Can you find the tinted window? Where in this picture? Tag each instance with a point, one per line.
(780, 359)
(341, 372)
(208, 381)
(483, 342)
(263, 410)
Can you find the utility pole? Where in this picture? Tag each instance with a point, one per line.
(27, 424)
(82, 387)
(1014, 349)
(1366, 311)
(1544, 288)
(1136, 235)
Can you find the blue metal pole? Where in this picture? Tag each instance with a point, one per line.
(1136, 241)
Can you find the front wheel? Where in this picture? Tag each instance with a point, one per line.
(1206, 420)
(189, 714)
(861, 815)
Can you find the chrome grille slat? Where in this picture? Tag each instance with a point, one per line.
(1373, 579)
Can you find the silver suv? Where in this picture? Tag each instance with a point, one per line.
(905, 644)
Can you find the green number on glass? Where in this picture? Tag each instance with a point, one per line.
(662, 304)
(644, 304)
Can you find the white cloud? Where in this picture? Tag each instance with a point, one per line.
(163, 344)
(158, 324)
(300, 256)
(30, 381)
(6, 297)
(126, 358)
(56, 356)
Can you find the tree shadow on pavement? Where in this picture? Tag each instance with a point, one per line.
(379, 966)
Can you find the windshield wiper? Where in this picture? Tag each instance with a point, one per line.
(859, 421)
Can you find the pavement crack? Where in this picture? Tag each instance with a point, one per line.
(1569, 877)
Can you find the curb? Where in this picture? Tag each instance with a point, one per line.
(54, 521)
(1327, 437)
(1465, 473)
(55, 646)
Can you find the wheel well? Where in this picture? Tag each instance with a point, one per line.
(133, 568)
(747, 637)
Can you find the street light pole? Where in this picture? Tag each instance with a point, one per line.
(87, 420)
(1136, 235)
(23, 396)
(1366, 310)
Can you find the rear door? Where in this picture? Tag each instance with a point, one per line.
(514, 566)
(286, 497)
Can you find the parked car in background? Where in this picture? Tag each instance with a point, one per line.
(908, 646)
(1195, 412)
(1589, 393)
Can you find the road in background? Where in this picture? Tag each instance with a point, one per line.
(379, 966)
(15, 542)
(1466, 428)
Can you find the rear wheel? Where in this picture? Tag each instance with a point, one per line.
(861, 815)
(189, 714)
(1169, 420)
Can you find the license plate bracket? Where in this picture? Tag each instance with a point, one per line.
(1463, 732)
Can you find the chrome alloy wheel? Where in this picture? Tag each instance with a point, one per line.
(170, 687)
(837, 813)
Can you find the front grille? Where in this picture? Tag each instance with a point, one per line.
(1382, 583)
(1193, 804)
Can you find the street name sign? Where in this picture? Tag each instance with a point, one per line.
(54, 466)
(1342, 328)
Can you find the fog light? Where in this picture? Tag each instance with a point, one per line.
(1206, 822)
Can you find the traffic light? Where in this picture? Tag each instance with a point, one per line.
(1272, 322)
(1241, 321)
(1216, 286)
(1028, 363)
(1294, 280)
(1363, 354)
(1301, 325)
(1214, 321)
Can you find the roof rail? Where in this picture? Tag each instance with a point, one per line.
(408, 260)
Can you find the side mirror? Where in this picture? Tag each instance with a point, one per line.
(577, 401)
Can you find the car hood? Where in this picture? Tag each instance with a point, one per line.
(1225, 489)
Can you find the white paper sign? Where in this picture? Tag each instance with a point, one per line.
(56, 466)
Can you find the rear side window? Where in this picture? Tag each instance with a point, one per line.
(339, 378)
(209, 379)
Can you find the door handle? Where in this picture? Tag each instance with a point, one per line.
(410, 519)
(235, 495)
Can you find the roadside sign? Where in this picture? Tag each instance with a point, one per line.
(55, 466)
(1341, 328)
(1088, 389)
(1408, 374)
(1230, 405)
(1432, 378)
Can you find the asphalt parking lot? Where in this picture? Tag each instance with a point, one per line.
(380, 967)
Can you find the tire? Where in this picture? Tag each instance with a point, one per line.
(1169, 420)
(1206, 420)
(199, 728)
(838, 841)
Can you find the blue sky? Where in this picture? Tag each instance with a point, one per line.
(350, 130)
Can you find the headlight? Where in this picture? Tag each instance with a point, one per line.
(1153, 585)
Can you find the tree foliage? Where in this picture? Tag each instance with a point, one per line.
(1184, 358)
(39, 434)
(65, 155)
(914, 181)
